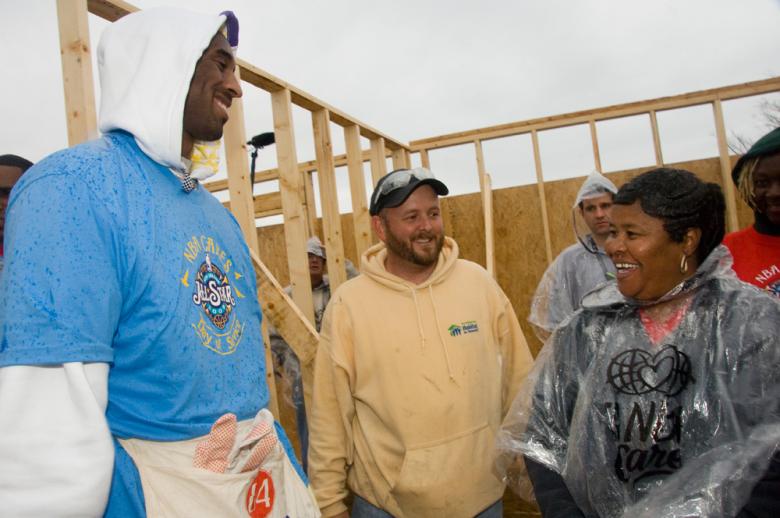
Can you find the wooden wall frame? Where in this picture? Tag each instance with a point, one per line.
(295, 199)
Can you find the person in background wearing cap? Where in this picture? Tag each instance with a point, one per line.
(134, 328)
(286, 363)
(419, 359)
(756, 249)
(12, 168)
(582, 266)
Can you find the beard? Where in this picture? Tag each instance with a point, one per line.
(405, 249)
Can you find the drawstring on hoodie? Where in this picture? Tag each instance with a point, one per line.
(373, 265)
(419, 318)
(438, 328)
(441, 338)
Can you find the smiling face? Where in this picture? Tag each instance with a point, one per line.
(413, 232)
(766, 187)
(646, 258)
(212, 89)
(596, 213)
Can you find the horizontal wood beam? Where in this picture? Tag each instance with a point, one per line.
(273, 174)
(269, 213)
(268, 202)
(599, 114)
(110, 10)
(260, 177)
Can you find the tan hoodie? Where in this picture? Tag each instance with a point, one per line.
(411, 384)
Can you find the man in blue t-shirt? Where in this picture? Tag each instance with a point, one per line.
(128, 308)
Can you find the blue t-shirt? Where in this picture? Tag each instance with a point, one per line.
(109, 260)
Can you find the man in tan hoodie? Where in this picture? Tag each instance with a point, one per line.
(419, 360)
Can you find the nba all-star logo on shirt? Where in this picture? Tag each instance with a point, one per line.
(213, 293)
(209, 277)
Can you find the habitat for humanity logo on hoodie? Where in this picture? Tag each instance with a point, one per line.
(464, 328)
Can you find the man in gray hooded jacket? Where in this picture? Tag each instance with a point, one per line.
(583, 265)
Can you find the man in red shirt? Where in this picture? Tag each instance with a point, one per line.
(756, 249)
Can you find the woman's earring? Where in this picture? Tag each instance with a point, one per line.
(684, 264)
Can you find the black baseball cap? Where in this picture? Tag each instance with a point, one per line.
(393, 188)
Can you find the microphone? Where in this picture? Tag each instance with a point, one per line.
(262, 140)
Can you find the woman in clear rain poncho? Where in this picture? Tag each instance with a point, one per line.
(660, 397)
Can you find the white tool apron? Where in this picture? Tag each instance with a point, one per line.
(174, 488)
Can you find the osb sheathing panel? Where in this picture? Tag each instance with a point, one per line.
(464, 222)
(519, 238)
(520, 250)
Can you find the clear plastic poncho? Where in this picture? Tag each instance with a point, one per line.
(576, 271)
(681, 428)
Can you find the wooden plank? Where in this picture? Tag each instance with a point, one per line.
(487, 209)
(486, 193)
(292, 202)
(597, 114)
(273, 174)
(340, 160)
(110, 10)
(725, 168)
(77, 71)
(241, 196)
(542, 197)
(378, 163)
(480, 161)
(331, 218)
(424, 159)
(357, 187)
(309, 207)
(273, 398)
(267, 213)
(289, 320)
(266, 176)
(267, 202)
(594, 140)
(659, 156)
(401, 159)
(260, 177)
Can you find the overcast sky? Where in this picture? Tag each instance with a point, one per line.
(415, 69)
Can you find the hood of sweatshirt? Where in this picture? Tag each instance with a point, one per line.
(146, 61)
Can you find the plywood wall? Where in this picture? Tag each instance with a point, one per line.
(519, 239)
